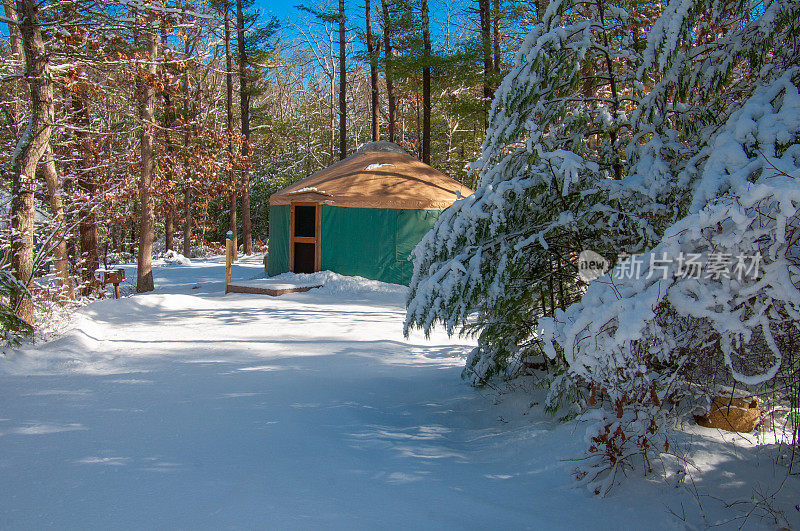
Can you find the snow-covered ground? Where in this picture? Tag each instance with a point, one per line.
(186, 408)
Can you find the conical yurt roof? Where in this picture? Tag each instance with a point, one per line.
(379, 175)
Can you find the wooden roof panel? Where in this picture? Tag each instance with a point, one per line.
(376, 179)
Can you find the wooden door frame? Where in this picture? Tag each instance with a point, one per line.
(316, 240)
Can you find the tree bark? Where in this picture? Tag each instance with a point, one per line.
(373, 74)
(229, 115)
(169, 123)
(332, 108)
(60, 256)
(541, 7)
(187, 223)
(426, 87)
(342, 86)
(387, 47)
(15, 37)
(144, 272)
(244, 106)
(115, 230)
(87, 224)
(486, 37)
(187, 191)
(169, 228)
(90, 255)
(29, 151)
(496, 32)
(17, 51)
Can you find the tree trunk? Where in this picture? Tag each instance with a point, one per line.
(229, 111)
(187, 223)
(486, 36)
(169, 228)
(332, 110)
(90, 255)
(115, 230)
(342, 86)
(496, 31)
(541, 7)
(60, 256)
(426, 87)
(418, 124)
(29, 150)
(87, 224)
(144, 272)
(244, 106)
(15, 37)
(387, 46)
(169, 123)
(373, 74)
(550, 287)
(187, 190)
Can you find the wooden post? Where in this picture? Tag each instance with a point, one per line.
(228, 258)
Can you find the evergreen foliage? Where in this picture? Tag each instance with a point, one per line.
(624, 129)
(14, 328)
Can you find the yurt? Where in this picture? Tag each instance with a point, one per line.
(362, 216)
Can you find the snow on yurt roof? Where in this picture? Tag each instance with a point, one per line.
(378, 175)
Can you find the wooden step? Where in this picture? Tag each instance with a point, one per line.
(266, 286)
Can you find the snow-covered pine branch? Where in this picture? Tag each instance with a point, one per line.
(635, 131)
(557, 133)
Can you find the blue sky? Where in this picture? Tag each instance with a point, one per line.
(284, 10)
(280, 9)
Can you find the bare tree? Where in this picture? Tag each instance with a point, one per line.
(373, 74)
(342, 85)
(60, 256)
(388, 69)
(496, 34)
(244, 106)
(229, 116)
(321, 50)
(87, 226)
(426, 86)
(169, 122)
(29, 150)
(146, 97)
(188, 49)
(488, 66)
(13, 30)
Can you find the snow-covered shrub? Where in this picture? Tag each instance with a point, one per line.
(639, 339)
(171, 257)
(14, 328)
(624, 128)
(638, 336)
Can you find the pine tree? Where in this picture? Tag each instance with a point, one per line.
(554, 141)
(623, 129)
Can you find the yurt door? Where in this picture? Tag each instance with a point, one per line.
(305, 227)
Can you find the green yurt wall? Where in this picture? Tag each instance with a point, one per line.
(278, 260)
(368, 242)
(373, 242)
